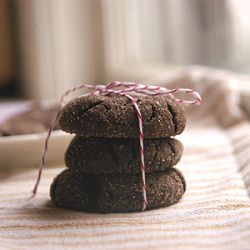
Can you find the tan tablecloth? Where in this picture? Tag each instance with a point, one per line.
(213, 214)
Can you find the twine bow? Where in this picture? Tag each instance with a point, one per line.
(121, 89)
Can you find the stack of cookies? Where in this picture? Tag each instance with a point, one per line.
(103, 159)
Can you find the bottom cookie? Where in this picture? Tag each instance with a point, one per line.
(116, 193)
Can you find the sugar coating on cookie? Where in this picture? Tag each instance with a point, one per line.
(116, 193)
(115, 117)
(121, 156)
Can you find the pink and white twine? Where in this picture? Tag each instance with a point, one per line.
(121, 89)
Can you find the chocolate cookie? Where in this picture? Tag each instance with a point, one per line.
(115, 117)
(116, 193)
(21, 126)
(35, 120)
(107, 156)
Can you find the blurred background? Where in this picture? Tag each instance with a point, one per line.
(50, 45)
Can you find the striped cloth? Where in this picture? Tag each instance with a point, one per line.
(213, 214)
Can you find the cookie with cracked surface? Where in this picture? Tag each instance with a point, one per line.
(115, 117)
(116, 193)
(121, 155)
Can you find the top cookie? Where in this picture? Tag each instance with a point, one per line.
(115, 117)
